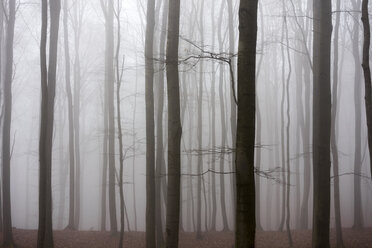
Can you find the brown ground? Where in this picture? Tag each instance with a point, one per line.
(91, 239)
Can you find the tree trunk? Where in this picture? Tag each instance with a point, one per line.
(336, 187)
(6, 153)
(245, 138)
(71, 144)
(150, 129)
(321, 121)
(48, 87)
(174, 126)
(367, 74)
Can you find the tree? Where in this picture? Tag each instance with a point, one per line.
(6, 150)
(174, 126)
(367, 74)
(322, 23)
(71, 144)
(245, 137)
(48, 87)
(335, 160)
(108, 10)
(150, 126)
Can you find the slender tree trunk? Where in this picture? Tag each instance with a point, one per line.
(48, 87)
(159, 132)
(200, 129)
(71, 144)
(150, 127)
(6, 150)
(336, 187)
(76, 113)
(358, 211)
(367, 74)
(174, 126)
(213, 134)
(225, 225)
(321, 120)
(245, 138)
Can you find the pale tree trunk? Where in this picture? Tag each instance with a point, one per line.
(159, 132)
(321, 121)
(119, 72)
(71, 143)
(150, 126)
(358, 211)
(6, 148)
(232, 100)
(225, 225)
(200, 129)
(213, 134)
(48, 87)
(77, 23)
(108, 10)
(245, 184)
(1, 114)
(367, 74)
(174, 126)
(335, 160)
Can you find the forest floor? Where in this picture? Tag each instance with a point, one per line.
(93, 239)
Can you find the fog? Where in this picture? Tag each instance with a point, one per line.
(208, 66)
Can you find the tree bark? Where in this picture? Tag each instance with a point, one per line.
(6, 150)
(367, 74)
(245, 138)
(174, 126)
(150, 126)
(322, 25)
(48, 87)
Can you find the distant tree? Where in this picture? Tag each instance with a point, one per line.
(48, 87)
(150, 126)
(322, 25)
(174, 126)
(108, 11)
(6, 148)
(71, 144)
(245, 136)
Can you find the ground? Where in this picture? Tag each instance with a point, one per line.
(91, 239)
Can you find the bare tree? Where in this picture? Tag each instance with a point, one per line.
(48, 87)
(322, 21)
(174, 126)
(150, 126)
(245, 136)
(6, 148)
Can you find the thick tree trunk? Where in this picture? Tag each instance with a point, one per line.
(6, 150)
(48, 87)
(245, 138)
(150, 126)
(321, 120)
(174, 126)
(367, 74)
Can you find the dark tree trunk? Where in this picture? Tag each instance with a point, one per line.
(174, 126)
(321, 120)
(150, 126)
(245, 138)
(367, 74)
(48, 87)
(6, 153)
